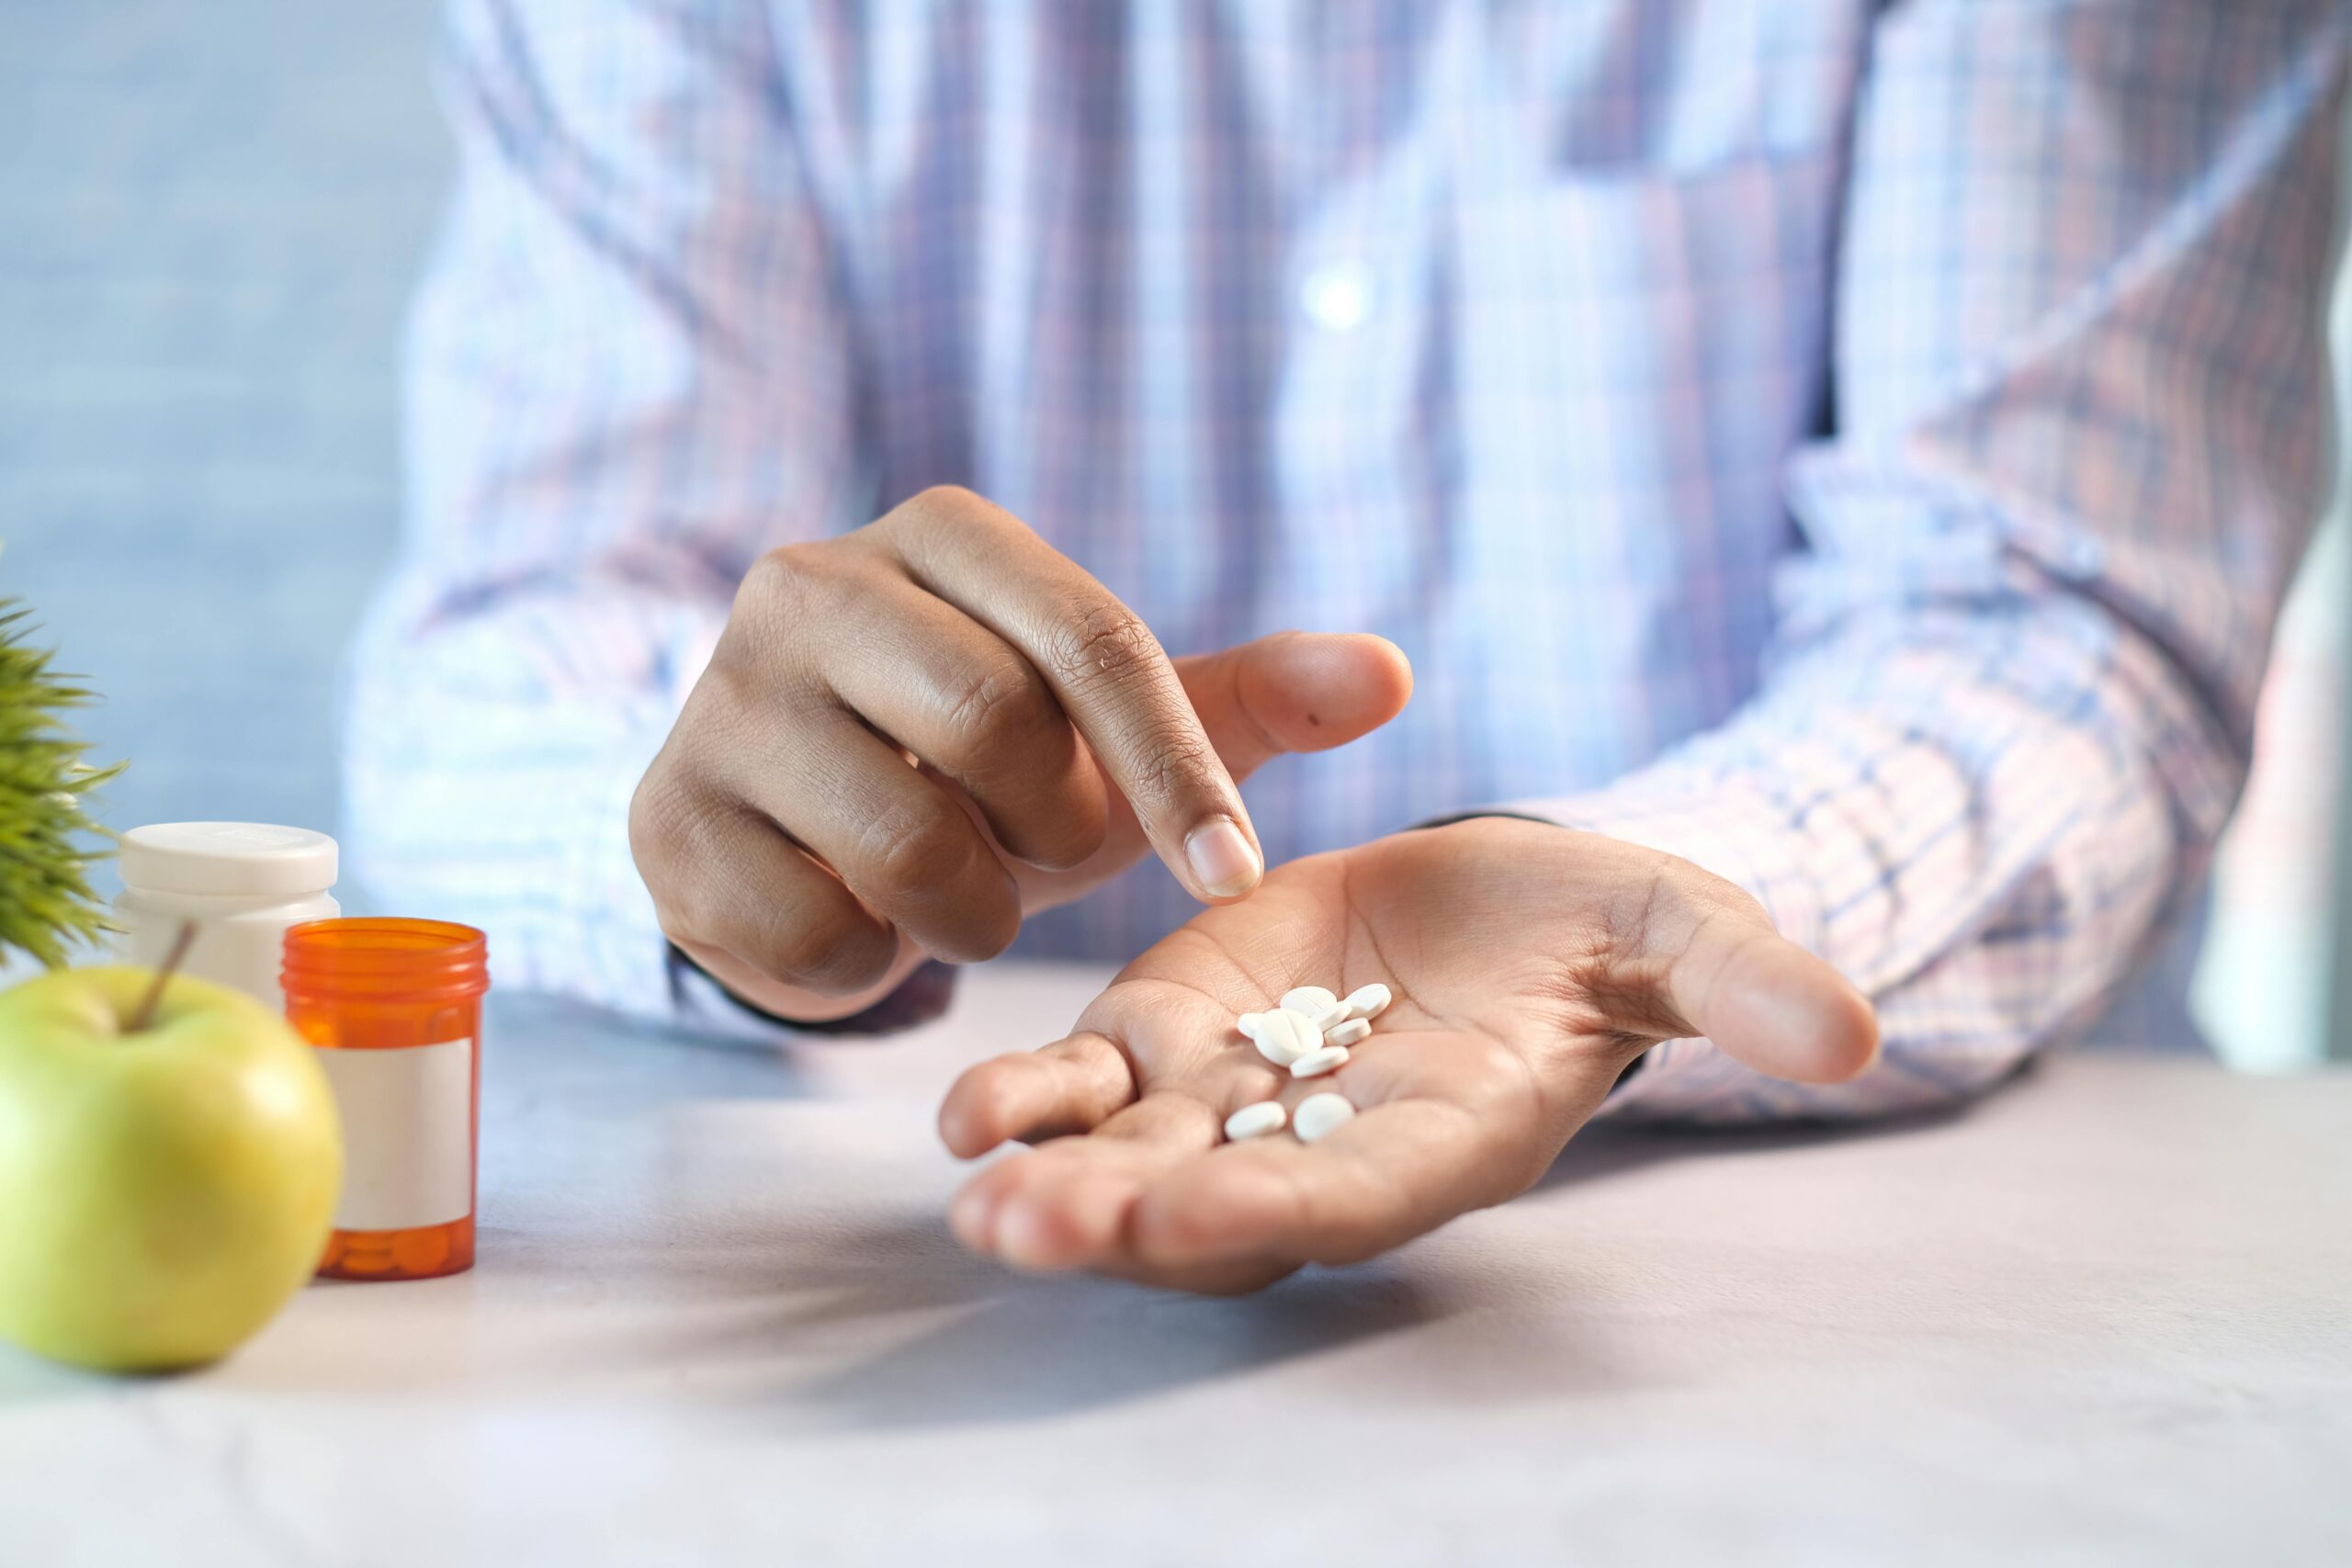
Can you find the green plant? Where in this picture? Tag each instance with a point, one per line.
(45, 904)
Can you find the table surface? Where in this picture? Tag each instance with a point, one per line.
(2100, 1317)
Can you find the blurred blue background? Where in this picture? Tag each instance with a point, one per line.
(210, 217)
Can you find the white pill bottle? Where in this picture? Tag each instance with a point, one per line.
(241, 883)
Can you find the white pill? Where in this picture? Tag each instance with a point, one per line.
(1325, 1016)
(1368, 1001)
(1321, 1014)
(1319, 1114)
(1315, 1063)
(1346, 1033)
(1283, 1037)
(1256, 1120)
(1309, 999)
(1248, 1024)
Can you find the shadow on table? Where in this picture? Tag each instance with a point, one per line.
(863, 1319)
(862, 1315)
(906, 1330)
(1032, 1350)
(1610, 1150)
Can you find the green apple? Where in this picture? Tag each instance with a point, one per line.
(162, 1190)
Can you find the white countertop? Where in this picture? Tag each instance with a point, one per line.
(2106, 1317)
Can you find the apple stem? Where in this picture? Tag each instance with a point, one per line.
(146, 1011)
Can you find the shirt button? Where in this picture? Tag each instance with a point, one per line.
(1338, 297)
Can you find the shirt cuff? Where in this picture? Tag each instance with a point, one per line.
(709, 1006)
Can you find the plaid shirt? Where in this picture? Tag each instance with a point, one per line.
(1860, 447)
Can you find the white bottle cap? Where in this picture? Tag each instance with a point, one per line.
(230, 859)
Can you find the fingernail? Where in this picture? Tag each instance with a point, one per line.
(1221, 858)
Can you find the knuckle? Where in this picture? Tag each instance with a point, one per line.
(1166, 771)
(1101, 644)
(793, 583)
(947, 500)
(917, 848)
(945, 505)
(992, 925)
(826, 955)
(780, 576)
(1001, 709)
(778, 592)
(664, 821)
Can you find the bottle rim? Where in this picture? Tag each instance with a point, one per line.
(386, 956)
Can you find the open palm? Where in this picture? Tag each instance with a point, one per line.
(1530, 966)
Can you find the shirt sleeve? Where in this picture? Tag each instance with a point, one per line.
(628, 375)
(2080, 432)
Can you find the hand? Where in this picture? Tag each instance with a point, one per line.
(1531, 966)
(913, 734)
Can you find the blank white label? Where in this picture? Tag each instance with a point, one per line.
(408, 1147)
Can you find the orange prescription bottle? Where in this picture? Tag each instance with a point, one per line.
(394, 1006)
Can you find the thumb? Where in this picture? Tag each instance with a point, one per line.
(1294, 692)
(1767, 1003)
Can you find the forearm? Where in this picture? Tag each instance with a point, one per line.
(2077, 454)
(611, 416)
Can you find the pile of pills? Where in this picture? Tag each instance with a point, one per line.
(1310, 1033)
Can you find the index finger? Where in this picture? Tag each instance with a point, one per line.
(1103, 666)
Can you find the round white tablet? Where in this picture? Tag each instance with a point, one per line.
(1319, 1114)
(1301, 998)
(1315, 1063)
(1256, 1120)
(1283, 1037)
